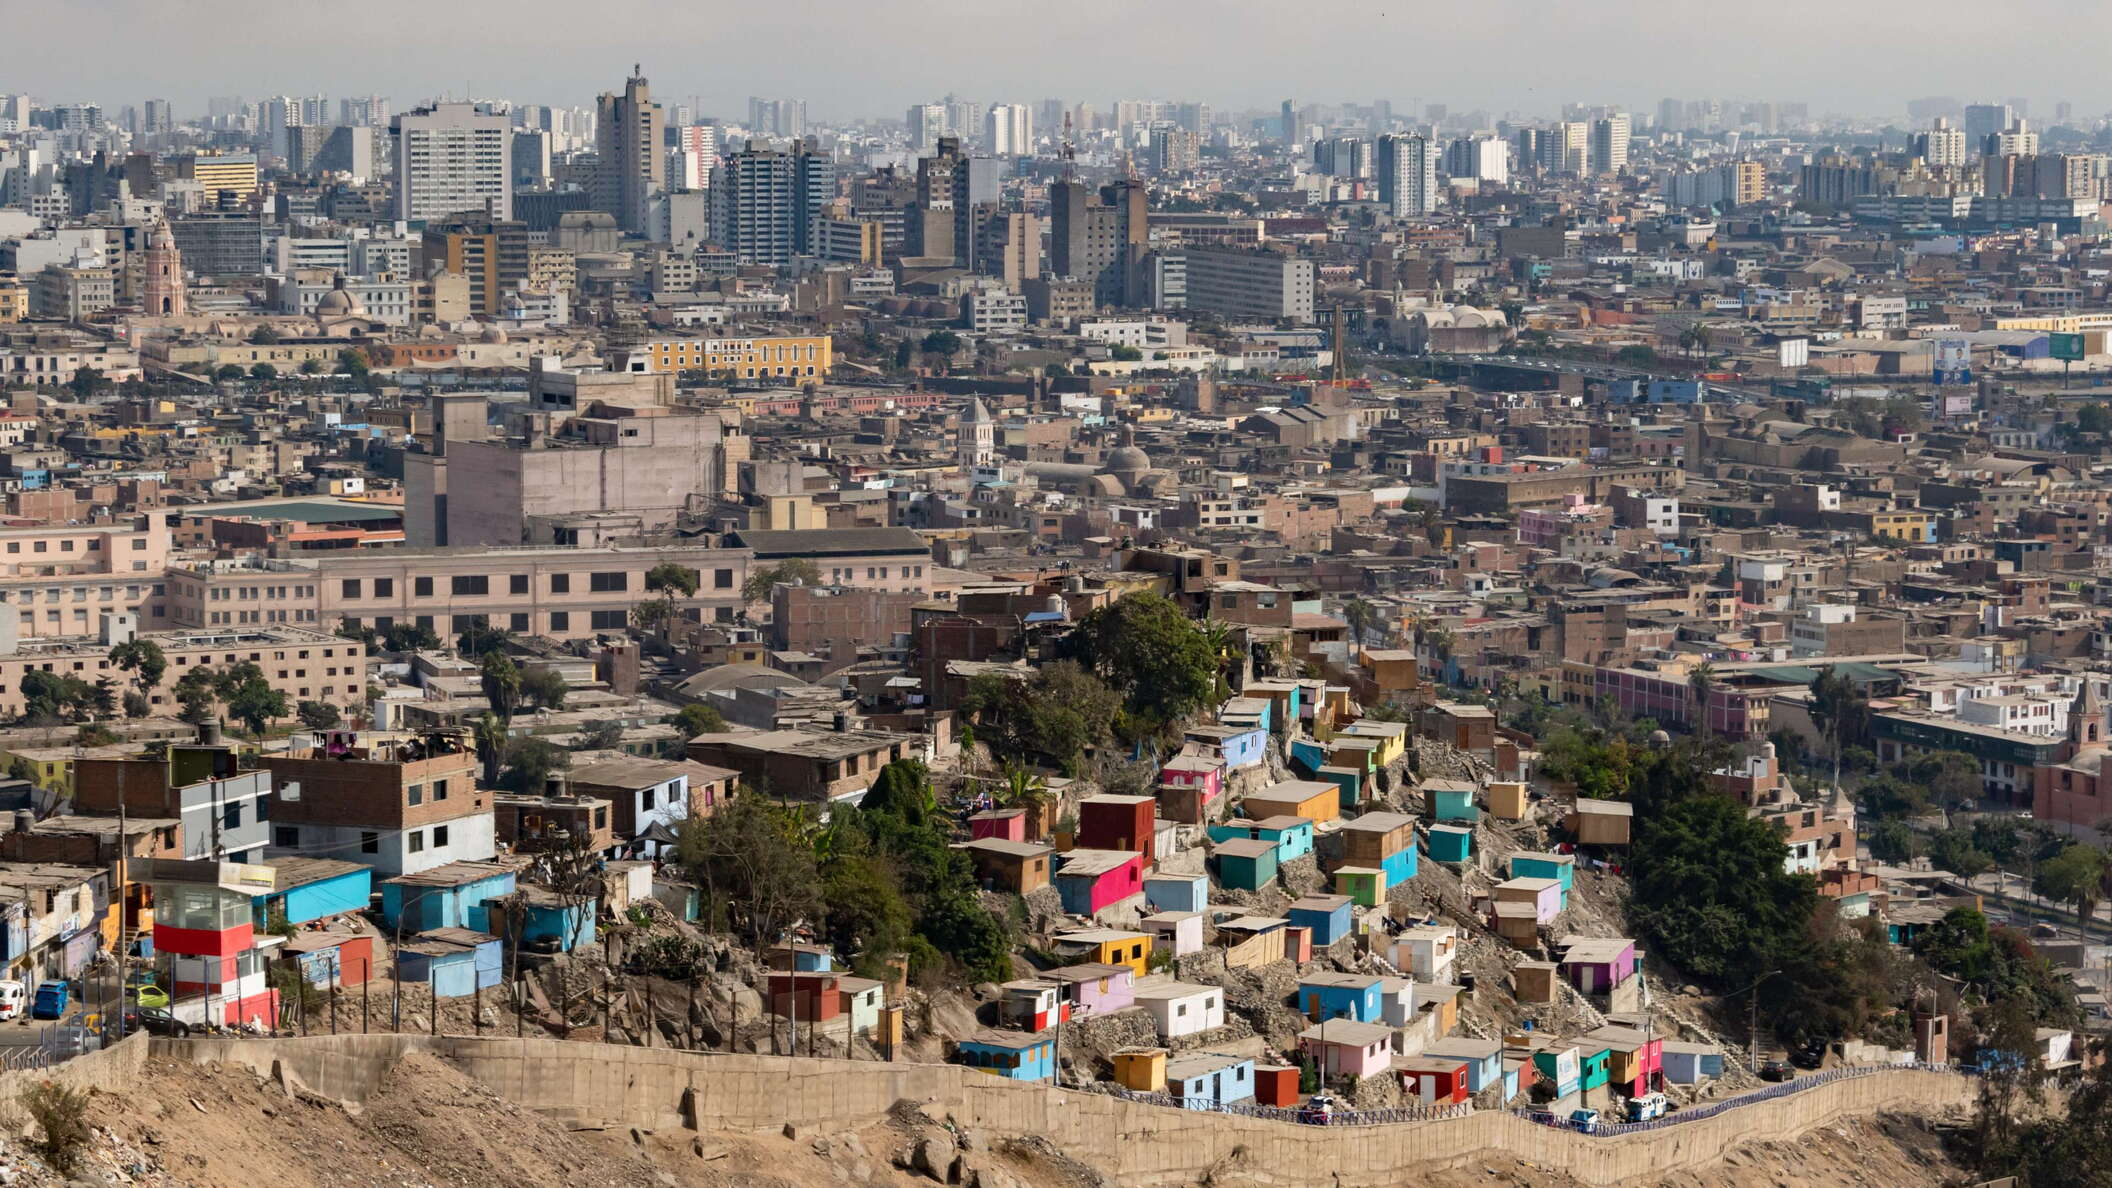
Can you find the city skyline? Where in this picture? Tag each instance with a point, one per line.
(1093, 52)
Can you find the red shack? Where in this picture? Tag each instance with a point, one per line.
(1109, 822)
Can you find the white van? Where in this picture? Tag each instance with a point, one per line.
(14, 999)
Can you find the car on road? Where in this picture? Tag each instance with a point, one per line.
(1777, 1070)
(156, 1021)
(147, 994)
(1586, 1121)
(1648, 1106)
(51, 1001)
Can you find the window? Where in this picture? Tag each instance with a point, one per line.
(722, 579)
(603, 583)
(417, 841)
(517, 584)
(517, 622)
(560, 621)
(231, 816)
(439, 791)
(609, 620)
(439, 836)
(415, 794)
(601, 818)
(351, 587)
(469, 584)
(425, 621)
(384, 587)
(645, 798)
(560, 583)
(422, 587)
(286, 837)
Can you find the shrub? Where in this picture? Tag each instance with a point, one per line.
(61, 1115)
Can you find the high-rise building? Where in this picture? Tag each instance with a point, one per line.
(492, 253)
(1942, 146)
(158, 119)
(767, 204)
(453, 158)
(631, 169)
(777, 117)
(530, 159)
(1174, 149)
(231, 176)
(1482, 156)
(1237, 283)
(1288, 121)
(1570, 150)
(1008, 130)
(1407, 168)
(1983, 120)
(1342, 156)
(2017, 140)
(696, 155)
(1193, 117)
(926, 122)
(368, 111)
(1609, 143)
(1100, 240)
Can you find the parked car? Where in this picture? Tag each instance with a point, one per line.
(147, 994)
(1777, 1070)
(1648, 1106)
(14, 999)
(1586, 1121)
(52, 998)
(1318, 1110)
(156, 1021)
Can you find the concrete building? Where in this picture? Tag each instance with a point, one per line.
(1407, 168)
(304, 665)
(1609, 143)
(631, 168)
(453, 158)
(1259, 284)
(767, 205)
(1100, 239)
(224, 810)
(399, 806)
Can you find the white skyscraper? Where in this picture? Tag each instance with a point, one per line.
(927, 122)
(452, 158)
(1407, 169)
(1609, 143)
(1008, 130)
(1483, 156)
(1943, 145)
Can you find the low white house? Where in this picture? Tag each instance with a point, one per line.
(1180, 1009)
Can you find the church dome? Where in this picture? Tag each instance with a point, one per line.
(339, 302)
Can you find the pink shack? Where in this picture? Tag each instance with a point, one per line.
(1347, 1048)
(1093, 988)
(1189, 787)
(1091, 881)
(1596, 965)
(1001, 824)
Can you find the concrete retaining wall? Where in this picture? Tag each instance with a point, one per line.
(114, 1069)
(1131, 1142)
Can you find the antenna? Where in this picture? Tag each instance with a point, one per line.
(1070, 152)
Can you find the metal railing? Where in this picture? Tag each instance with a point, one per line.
(1699, 1113)
(1388, 1117)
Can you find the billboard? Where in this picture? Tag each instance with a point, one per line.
(1954, 361)
(2068, 347)
(1793, 352)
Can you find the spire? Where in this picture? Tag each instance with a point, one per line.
(2086, 714)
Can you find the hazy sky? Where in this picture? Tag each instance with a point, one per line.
(872, 57)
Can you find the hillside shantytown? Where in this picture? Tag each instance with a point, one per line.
(1328, 617)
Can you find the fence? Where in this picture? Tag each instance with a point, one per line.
(1698, 1113)
(1302, 1117)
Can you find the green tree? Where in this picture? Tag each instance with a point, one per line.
(1958, 851)
(1059, 712)
(491, 738)
(864, 913)
(2076, 875)
(1709, 889)
(1702, 684)
(753, 867)
(603, 735)
(263, 373)
(409, 637)
(546, 687)
(698, 718)
(353, 362)
(1951, 777)
(195, 693)
(1601, 765)
(1841, 711)
(501, 683)
(87, 382)
(944, 343)
(1124, 354)
(1146, 649)
(229, 371)
(669, 581)
(529, 762)
(49, 697)
(2094, 417)
(1894, 842)
(311, 367)
(263, 336)
(480, 639)
(143, 658)
(318, 715)
(249, 697)
(799, 571)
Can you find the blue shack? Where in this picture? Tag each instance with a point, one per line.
(1326, 915)
(1245, 864)
(1451, 843)
(1562, 868)
(1308, 755)
(450, 896)
(1484, 1058)
(1355, 996)
(1014, 1055)
(1238, 746)
(1210, 1080)
(555, 923)
(455, 962)
(308, 889)
(1177, 892)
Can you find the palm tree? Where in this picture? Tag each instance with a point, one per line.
(1703, 682)
(1362, 617)
(491, 745)
(1023, 787)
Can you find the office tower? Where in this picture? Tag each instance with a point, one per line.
(950, 188)
(777, 117)
(2063, 112)
(2017, 140)
(696, 155)
(1569, 150)
(1942, 146)
(492, 253)
(1526, 149)
(452, 158)
(1100, 240)
(159, 119)
(767, 205)
(530, 159)
(631, 170)
(926, 122)
(369, 111)
(1609, 143)
(1193, 117)
(1983, 120)
(274, 116)
(222, 176)
(1407, 168)
(1174, 149)
(701, 139)
(1289, 122)
(1482, 156)
(1342, 156)
(330, 148)
(1008, 130)
(1048, 116)
(1671, 115)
